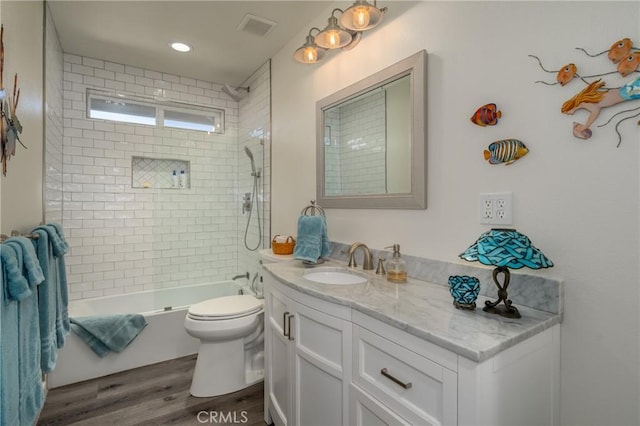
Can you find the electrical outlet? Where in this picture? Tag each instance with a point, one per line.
(496, 209)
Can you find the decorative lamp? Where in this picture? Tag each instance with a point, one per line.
(333, 36)
(362, 16)
(310, 52)
(504, 249)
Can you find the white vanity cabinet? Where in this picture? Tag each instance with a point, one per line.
(307, 379)
(347, 363)
(425, 384)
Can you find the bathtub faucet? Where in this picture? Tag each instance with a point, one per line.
(241, 276)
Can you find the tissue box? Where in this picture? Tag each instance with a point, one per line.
(283, 245)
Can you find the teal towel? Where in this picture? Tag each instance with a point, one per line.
(59, 243)
(312, 242)
(108, 333)
(47, 301)
(59, 247)
(9, 341)
(30, 393)
(31, 266)
(15, 285)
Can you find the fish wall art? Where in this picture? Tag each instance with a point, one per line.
(505, 151)
(596, 96)
(486, 115)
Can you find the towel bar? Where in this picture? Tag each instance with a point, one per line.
(4, 237)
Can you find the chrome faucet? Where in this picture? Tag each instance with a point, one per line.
(367, 262)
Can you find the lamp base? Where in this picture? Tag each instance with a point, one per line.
(504, 311)
(507, 310)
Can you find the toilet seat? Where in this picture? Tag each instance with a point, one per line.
(223, 308)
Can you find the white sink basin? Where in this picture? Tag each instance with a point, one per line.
(334, 276)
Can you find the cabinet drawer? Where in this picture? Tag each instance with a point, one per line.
(365, 411)
(415, 387)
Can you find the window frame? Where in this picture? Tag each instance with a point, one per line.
(160, 106)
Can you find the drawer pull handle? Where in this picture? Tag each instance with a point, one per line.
(285, 332)
(386, 374)
(289, 323)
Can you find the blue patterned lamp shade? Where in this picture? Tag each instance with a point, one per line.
(504, 249)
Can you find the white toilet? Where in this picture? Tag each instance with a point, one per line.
(231, 333)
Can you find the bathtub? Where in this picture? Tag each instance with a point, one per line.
(164, 337)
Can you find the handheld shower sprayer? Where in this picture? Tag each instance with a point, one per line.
(250, 155)
(249, 200)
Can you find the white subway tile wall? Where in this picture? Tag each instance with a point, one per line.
(53, 124)
(126, 239)
(255, 134)
(357, 147)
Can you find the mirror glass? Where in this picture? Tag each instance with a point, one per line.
(371, 141)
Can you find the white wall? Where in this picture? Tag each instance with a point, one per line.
(21, 189)
(577, 200)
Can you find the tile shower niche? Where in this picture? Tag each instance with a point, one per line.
(151, 173)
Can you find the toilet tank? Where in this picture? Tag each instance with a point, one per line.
(268, 256)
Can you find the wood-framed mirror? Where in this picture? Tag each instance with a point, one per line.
(371, 140)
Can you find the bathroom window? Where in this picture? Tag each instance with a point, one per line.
(127, 109)
(191, 120)
(121, 110)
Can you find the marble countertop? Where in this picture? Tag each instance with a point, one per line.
(422, 309)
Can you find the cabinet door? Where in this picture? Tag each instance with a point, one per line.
(322, 344)
(279, 370)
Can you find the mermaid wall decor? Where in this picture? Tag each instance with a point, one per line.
(595, 96)
(10, 127)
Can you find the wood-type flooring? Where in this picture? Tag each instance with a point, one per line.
(157, 394)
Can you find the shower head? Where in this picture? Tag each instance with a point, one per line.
(235, 92)
(250, 155)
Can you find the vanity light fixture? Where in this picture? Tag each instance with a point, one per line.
(344, 34)
(310, 52)
(333, 36)
(362, 16)
(504, 249)
(180, 47)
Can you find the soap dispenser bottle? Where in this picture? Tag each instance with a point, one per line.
(396, 267)
(174, 180)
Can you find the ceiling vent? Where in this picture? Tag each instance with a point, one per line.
(256, 25)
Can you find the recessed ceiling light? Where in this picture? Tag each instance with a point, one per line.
(180, 47)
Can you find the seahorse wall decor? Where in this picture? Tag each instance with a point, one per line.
(10, 127)
(595, 96)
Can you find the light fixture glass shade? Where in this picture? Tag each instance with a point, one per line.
(333, 37)
(361, 16)
(310, 52)
(506, 247)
